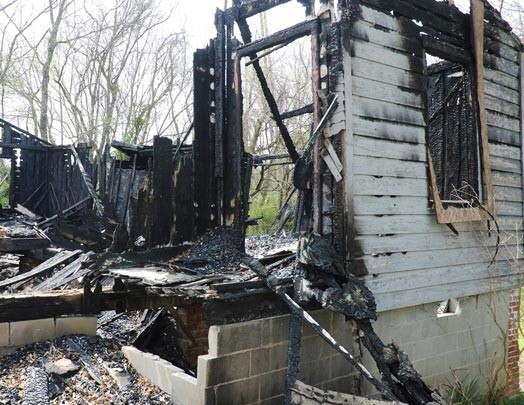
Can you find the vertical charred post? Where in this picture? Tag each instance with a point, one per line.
(204, 143)
(162, 193)
(234, 145)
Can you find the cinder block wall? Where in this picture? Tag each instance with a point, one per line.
(247, 361)
(472, 342)
(20, 333)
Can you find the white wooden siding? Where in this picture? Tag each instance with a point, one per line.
(408, 257)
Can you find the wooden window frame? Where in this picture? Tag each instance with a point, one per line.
(486, 210)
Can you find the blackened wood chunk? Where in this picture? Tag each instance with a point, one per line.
(318, 254)
(35, 388)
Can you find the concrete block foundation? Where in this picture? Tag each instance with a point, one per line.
(14, 334)
(246, 362)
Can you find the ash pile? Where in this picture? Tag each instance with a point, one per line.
(78, 369)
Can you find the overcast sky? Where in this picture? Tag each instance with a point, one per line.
(199, 16)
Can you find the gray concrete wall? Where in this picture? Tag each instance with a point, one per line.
(246, 363)
(14, 334)
(472, 342)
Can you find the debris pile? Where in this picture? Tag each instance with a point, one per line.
(74, 370)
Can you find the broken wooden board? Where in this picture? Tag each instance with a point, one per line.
(21, 244)
(154, 275)
(48, 265)
(24, 211)
(67, 274)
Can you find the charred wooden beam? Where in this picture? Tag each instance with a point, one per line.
(234, 143)
(175, 154)
(246, 9)
(266, 53)
(307, 109)
(20, 307)
(287, 35)
(220, 124)
(162, 194)
(446, 51)
(24, 147)
(204, 143)
(260, 159)
(88, 182)
(67, 274)
(20, 244)
(68, 211)
(316, 179)
(4, 124)
(273, 107)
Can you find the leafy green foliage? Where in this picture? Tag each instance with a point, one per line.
(516, 400)
(4, 193)
(5, 175)
(266, 207)
(470, 392)
(464, 392)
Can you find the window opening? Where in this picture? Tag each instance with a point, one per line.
(453, 135)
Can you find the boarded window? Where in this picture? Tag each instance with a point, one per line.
(453, 136)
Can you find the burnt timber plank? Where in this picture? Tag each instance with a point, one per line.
(161, 204)
(251, 8)
(58, 279)
(20, 244)
(234, 143)
(20, 307)
(50, 264)
(203, 145)
(286, 35)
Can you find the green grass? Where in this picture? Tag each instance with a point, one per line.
(267, 209)
(4, 193)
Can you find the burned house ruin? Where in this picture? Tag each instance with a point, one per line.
(408, 214)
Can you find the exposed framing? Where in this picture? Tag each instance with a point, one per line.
(486, 210)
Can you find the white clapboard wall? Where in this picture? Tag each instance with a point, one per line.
(408, 257)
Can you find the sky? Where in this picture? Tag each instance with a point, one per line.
(199, 16)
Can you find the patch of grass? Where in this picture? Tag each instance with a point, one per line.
(464, 392)
(4, 194)
(267, 209)
(516, 400)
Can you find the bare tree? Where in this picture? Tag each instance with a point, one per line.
(52, 43)
(100, 71)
